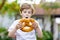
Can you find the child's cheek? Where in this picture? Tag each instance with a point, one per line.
(23, 14)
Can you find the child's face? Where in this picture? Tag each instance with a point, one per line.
(26, 13)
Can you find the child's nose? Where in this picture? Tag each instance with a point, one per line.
(27, 13)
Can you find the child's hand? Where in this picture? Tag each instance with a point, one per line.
(19, 25)
(35, 25)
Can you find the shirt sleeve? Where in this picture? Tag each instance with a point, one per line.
(12, 26)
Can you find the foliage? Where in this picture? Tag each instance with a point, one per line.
(48, 5)
(10, 8)
(3, 34)
(2, 29)
(2, 2)
(46, 36)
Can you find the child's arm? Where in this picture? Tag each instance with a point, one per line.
(12, 32)
(38, 29)
(39, 32)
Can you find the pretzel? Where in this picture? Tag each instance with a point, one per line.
(27, 24)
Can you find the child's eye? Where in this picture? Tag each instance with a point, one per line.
(29, 12)
(24, 11)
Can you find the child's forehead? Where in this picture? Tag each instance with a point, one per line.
(27, 10)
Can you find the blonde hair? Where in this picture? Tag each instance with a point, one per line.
(27, 6)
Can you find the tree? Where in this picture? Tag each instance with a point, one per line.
(2, 4)
(11, 8)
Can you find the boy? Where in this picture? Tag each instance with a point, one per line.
(15, 32)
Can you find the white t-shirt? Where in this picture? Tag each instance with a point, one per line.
(20, 35)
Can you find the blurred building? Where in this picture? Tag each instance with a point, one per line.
(48, 25)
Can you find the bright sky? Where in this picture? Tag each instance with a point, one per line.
(36, 1)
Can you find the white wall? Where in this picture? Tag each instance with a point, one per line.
(47, 23)
(55, 34)
(5, 21)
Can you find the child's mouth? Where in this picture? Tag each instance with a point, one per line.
(26, 17)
